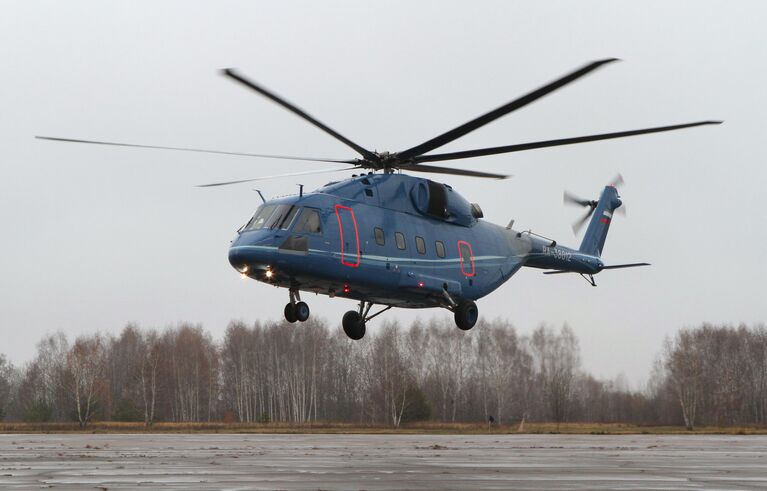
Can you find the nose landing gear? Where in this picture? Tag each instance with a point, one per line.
(296, 310)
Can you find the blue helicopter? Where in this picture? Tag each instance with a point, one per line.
(390, 239)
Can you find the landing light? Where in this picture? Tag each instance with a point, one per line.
(269, 274)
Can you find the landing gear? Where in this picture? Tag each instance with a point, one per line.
(302, 311)
(290, 313)
(589, 278)
(354, 322)
(296, 310)
(466, 315)
(354, 325)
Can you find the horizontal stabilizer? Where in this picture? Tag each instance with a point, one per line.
(619, 266)
(614, 266)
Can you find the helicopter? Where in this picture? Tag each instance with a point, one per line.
(386, 238)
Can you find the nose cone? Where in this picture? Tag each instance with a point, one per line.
(252, 251)
(237, 259)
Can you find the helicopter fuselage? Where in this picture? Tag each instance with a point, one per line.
(390, 239)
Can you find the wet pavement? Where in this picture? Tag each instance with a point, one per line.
(371, 462)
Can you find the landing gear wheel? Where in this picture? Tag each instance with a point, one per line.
(354, 326)
(466, 315)
(301, 311)
(290, 313)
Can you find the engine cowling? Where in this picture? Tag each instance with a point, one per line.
(440, 201)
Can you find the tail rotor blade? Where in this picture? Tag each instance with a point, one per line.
(617, 181)
(577, 226)
(570, 199)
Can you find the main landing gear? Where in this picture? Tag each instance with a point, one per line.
(296, 310)
(465, 312)
(354, 321)
(466, 315)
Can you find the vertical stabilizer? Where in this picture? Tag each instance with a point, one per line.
(594, 240)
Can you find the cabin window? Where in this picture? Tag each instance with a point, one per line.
(399, 238)
(308, 222)
(440, 247)
(369, 192)
(380, 238)
(420, 245)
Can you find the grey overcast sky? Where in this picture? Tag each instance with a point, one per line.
(95, 237)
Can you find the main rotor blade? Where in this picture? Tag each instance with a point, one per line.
(472, 125)
(321, 171)
(135, 145)
(467, 154)
(300, 112)
(458, 172)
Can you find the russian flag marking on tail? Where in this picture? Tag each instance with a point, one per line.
(606, 216)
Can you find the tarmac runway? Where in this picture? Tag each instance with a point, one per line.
(372, 462)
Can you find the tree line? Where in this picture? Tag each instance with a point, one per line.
(278, 372)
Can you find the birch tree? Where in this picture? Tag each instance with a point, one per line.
(85, 370)
(685, 368)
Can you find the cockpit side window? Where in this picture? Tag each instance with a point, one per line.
(280, 216)
(259, 219)
(289, 217)
(308, 222)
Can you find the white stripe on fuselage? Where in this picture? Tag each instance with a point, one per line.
(388, 259)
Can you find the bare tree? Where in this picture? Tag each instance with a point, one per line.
(6, 379)
(85, 370)
(290, 373)
(557, 357)
(148, 362)
(685, 367)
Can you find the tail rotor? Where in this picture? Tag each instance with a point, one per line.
(571, 199)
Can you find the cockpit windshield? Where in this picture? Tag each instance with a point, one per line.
(272, 217)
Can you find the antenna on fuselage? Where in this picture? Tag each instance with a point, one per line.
(263, 200)
(300, 190)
